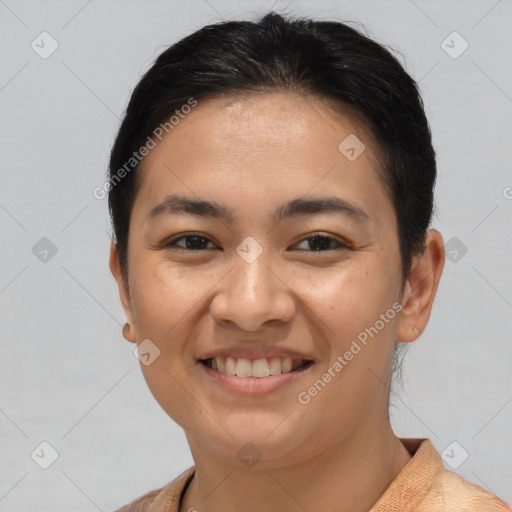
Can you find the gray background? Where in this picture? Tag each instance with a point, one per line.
(67, 375)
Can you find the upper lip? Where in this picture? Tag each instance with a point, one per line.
(255, 352)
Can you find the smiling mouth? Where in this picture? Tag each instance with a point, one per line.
(259, 368)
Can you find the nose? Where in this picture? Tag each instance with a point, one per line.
(253, 294)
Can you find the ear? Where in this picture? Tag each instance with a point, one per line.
(124, 292)
(421, 287)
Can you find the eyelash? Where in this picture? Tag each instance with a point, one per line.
(171, 243)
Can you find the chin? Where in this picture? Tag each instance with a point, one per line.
(255, 442)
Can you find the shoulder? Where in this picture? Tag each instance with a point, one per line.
(142, 503)
(166, 499)
(425, 485)
(450, 492)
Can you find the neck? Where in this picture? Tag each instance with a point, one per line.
(348, 477)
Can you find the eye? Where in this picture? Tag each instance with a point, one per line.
(193, 242)
(321, 243)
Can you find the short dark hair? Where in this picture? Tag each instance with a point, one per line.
(327, 59)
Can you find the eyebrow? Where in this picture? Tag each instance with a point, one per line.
(177, 204)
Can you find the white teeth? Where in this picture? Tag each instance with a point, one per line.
(260, 368)
(243, 367)
(286, 366)
(220, 364)
(230, 366)
(275, 366)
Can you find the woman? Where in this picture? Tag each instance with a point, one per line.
(271, 191)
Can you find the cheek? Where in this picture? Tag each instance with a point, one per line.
(163, 296)
(358, 334)
(360, 345)
(165, 301)
(349, 297)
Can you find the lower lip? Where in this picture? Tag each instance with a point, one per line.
(254, 385)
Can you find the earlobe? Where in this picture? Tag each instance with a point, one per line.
(128, 334)
(421, 288)
(124, 293)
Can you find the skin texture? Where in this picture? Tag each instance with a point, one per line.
(252, 154)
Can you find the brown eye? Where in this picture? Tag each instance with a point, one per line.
(192, 243)
(322, 243)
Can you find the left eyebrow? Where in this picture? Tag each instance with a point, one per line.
(178, 204)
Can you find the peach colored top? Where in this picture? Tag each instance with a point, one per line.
(423, 485)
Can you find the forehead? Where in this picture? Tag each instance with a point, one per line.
(254, 146)
(270, 122)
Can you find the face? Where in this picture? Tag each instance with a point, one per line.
(293, 262)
